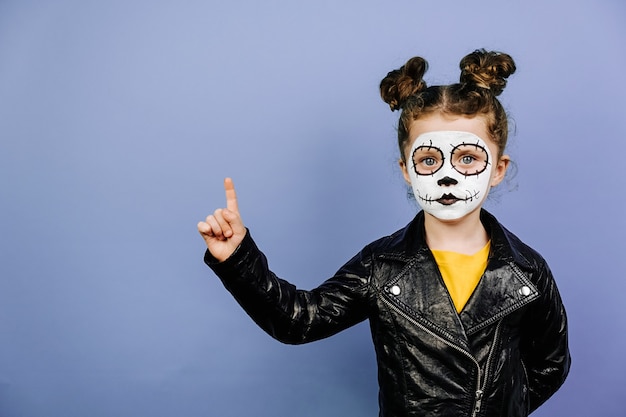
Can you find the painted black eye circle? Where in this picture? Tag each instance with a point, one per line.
(469, 159)
(427, 160)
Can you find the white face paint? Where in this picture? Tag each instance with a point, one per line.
(450, 172)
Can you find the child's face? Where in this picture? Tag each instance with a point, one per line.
(450, 164)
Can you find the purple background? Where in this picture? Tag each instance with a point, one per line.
(119, 119)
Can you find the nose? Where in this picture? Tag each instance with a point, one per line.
(447, 181)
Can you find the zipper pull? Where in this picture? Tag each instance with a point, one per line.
(479, 399)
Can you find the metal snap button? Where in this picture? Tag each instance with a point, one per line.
(525, 291)
(395, 290)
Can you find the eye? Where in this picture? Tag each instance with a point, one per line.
(467, 159)
(429, 161)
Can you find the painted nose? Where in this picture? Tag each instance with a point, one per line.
(447, 181)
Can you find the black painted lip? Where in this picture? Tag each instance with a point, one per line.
(447, 199)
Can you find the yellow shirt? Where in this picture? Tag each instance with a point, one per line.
(461, 273)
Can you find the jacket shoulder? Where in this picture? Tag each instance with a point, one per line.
(522, 254)
(401, 244)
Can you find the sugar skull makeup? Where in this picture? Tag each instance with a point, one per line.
(450, 172)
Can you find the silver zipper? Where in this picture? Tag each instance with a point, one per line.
(479, 388)
(478, 402)
(479, 392)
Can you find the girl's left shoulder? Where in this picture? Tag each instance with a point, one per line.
(508, 246)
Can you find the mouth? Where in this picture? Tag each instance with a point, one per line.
(447, 199)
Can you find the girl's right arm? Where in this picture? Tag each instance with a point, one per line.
(288, 314)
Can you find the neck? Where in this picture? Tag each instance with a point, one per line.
(465, 235)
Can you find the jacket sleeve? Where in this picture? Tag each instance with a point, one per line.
(545, 341)
(286, 313)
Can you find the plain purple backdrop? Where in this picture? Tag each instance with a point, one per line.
(119, 120)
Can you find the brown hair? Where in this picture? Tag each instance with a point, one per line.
(483, 77)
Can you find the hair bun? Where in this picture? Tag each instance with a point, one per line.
(487, 69)
(404, 82)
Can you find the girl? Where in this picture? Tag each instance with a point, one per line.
(466, 319)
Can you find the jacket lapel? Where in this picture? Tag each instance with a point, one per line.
(502, 289)
(418, 290)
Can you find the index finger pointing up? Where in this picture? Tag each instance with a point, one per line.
(231, 196)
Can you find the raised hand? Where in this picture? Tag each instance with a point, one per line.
(223, 231)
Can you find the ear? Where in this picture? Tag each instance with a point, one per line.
(405, 172)
(500, 170)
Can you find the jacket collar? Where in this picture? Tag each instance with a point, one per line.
(420, 291)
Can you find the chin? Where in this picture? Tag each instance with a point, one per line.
(451, 214)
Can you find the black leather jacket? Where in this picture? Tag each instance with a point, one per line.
(503, 355)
